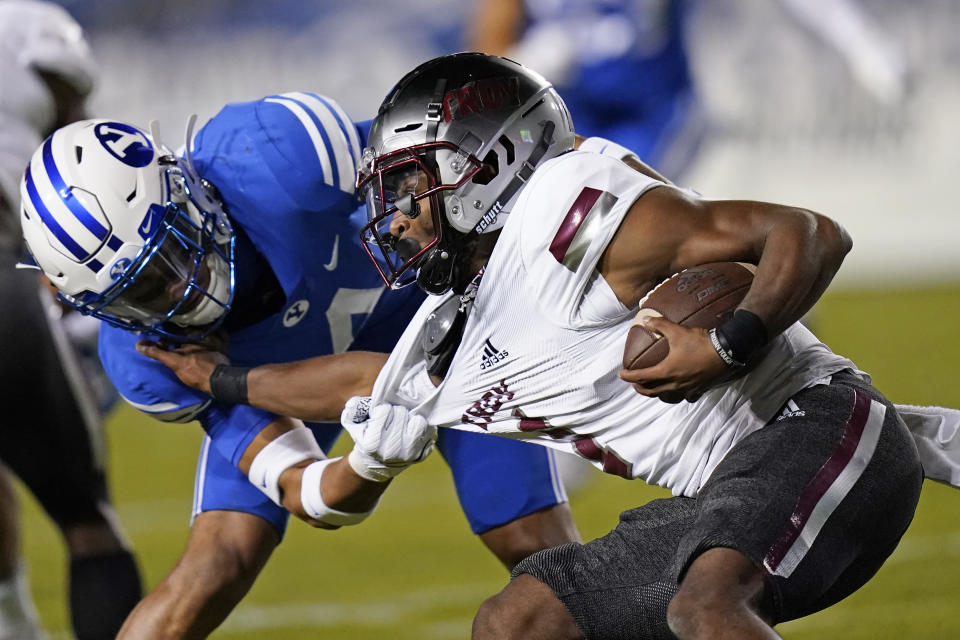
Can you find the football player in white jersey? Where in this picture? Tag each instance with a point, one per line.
(793, 478)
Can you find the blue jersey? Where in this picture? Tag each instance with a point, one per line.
(631, 80)
(285, 169)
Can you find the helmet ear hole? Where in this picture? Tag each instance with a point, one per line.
(489, 170)
(508, 147)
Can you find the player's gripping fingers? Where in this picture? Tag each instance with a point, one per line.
(354, 416)
(653, 388)
(390, 440)
(404, 438)
(681, 339)
(419, 438)
(164, 356)
(192, 363)
(690, 367)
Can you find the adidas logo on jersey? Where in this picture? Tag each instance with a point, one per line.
(491, 355)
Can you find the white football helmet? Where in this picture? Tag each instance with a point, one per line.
(40, 37)
(17, 142)
(128, 232)
(466, 131)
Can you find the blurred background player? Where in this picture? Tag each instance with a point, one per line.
(51, 436)
(623, 66)
(139, 240)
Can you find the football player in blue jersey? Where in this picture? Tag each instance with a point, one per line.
(621, 66)
(250, 238)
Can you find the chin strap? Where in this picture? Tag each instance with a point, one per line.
(444, 329)
(435, 273)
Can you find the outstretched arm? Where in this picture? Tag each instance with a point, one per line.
(314, 390)
(317, 389)
(339, 486)
(284, 462)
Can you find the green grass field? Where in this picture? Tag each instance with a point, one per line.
(414, 570)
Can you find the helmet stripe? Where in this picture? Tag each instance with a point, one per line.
(321, 128)
(67, 196)
(50, 221)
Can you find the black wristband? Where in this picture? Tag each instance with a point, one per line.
(229, 384)
(739, 338)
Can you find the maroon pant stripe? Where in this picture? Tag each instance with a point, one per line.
(820, 482)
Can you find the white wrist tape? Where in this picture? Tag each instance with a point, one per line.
(278, 456)
(312, 499)
(605, 148)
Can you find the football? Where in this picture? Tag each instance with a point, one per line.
(702, 296)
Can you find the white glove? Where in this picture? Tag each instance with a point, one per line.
(388, 438)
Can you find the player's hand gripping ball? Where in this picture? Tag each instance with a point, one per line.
(702, 297)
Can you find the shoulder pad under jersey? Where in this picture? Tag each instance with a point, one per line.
(333, 136)
(303, 142)
(565, 218)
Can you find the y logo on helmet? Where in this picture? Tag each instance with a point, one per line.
(118, 267)
(127, 144)
(481, 95)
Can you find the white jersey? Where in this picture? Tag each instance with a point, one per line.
(543, 344)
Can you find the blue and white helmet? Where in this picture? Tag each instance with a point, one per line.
(128, 232)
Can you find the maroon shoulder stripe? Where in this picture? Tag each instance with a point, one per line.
(572, 222)
(581, 226)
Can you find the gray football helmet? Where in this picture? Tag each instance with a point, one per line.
(464, 131)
